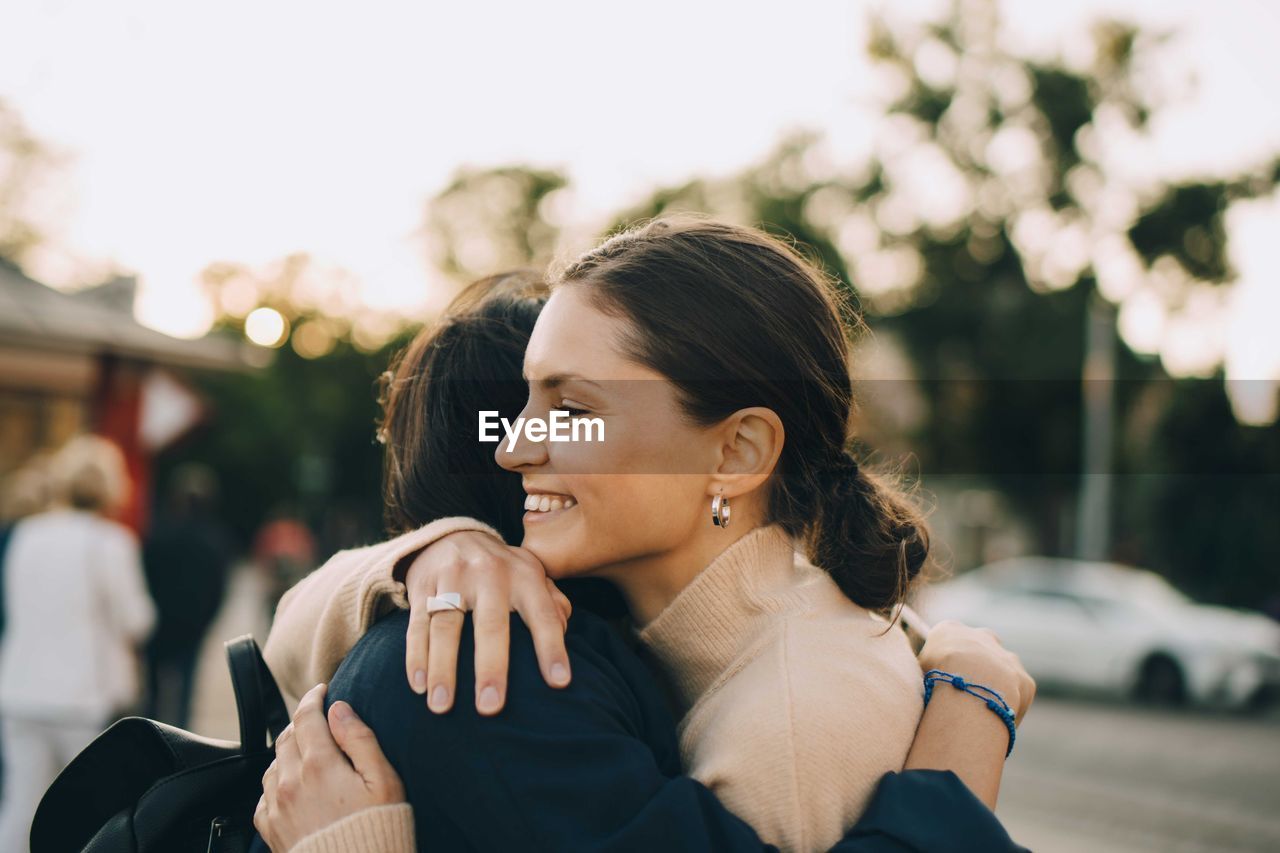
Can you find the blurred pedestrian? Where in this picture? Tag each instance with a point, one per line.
(187, 557)
(24, 493)
(284, 551)
(77, 611)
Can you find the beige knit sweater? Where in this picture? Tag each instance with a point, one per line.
(795, 701)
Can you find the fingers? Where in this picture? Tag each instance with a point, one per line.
(269, 780)
(360, 745)
(260, 816)
(442, 659)
(561, 601)
(424, 664)
(262, 822)
(492, 621)
(283, 780)
(288, 756)
(543, 617)
(492, 579)
(439, 568)
(445, 575)
(311, 732)
(545, 610)
(417, 646)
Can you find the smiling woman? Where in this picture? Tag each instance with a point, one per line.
(720, 350)
(718, 362)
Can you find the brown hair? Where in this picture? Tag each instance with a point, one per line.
(431, 397)
(736, 318)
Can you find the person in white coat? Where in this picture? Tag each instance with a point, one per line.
(76, 612)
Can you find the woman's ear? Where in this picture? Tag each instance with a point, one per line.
(752, 440)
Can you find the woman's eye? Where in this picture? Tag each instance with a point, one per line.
(573, 410)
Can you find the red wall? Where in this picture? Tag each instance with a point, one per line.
(115, 410)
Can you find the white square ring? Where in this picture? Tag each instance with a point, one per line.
(444, 601)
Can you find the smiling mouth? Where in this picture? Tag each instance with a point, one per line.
(548, 503)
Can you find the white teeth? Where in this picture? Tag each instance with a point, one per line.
(544, 503)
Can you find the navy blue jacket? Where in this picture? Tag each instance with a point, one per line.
(594, 766)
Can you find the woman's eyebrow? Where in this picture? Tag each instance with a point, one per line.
(555, 380)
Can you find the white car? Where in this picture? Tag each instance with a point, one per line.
(1100, 626)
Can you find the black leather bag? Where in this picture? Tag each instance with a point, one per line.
(145, 787)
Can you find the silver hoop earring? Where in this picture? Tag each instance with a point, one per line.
(720, 511)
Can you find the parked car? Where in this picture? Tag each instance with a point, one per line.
(1100, 626)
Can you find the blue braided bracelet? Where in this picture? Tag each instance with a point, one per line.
(993, 699)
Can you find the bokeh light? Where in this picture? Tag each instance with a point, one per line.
(266, 327)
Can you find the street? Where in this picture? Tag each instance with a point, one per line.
(1106, 778)
(1084, 776)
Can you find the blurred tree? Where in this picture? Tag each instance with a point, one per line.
(27, 166)
(1044, 235)
(297, 435)
(1203, 506)
(983, 232)
(319, 302)
(494, 219)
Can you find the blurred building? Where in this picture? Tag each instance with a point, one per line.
(76, 362)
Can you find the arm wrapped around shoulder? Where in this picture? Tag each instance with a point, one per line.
(320, 619)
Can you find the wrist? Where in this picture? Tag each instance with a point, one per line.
(991, 699)
(955, 708)
(956, 733)
(983, 672)
(386, 828)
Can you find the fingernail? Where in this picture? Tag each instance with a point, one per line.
(419, 682)
(342, 711)
(489, 699)
(439, 698)
(559, 673)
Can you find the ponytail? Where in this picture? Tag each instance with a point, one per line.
(867, 534)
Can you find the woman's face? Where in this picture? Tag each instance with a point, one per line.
(626, 500)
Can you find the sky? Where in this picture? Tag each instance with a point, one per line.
(245, 131)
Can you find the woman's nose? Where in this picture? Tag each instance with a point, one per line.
(519, 451)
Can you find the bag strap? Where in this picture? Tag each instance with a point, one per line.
(258, 701)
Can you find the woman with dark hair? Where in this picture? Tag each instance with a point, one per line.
(716, 358)
(468, 363)
(438, 484)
